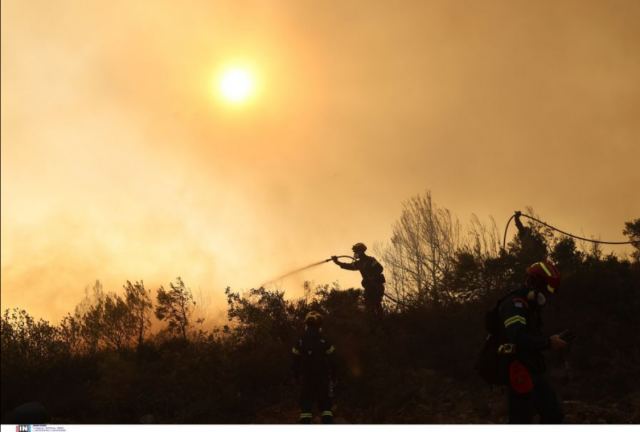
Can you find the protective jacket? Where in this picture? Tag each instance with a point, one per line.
(529, 390)
(370, 269)
(522, 329)
(313, 356)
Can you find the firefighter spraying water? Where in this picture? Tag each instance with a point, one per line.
(373, 279)
(301, 269)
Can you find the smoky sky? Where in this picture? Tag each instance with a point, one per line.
(119, 163)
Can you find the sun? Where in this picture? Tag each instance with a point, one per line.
(236, 85)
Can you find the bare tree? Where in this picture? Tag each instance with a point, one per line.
(428, 251)
(423, 246)
(482, 241)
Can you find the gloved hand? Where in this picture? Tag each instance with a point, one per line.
(517, 215)
(334, 259)
(567, 336)
(556, 343)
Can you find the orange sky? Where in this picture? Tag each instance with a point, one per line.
(118, 163)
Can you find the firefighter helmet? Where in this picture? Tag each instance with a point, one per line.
(313, 319)
(359, 247)
(547, 273)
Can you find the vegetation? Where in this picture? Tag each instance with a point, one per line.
(102, 364)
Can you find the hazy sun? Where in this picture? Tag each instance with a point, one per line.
(236, 85)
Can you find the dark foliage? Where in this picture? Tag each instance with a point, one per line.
(101, 365)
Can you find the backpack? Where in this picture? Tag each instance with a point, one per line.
(491, 366)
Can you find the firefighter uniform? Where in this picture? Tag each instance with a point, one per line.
(372, 281)
(529, 389)
(314, 367)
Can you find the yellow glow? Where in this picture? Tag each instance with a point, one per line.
(236, 85)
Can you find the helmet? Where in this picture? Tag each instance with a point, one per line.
(547, 273)
(359, 247)
(313, 319)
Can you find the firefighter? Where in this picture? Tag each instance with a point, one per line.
(524, 343)
(532, 245)
(314, 368)
(372, 278)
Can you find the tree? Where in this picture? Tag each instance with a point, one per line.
(259, 314)
(107, 320)
(422, 252)
(89, 316)
(632, 229)
(71, 333)
(566, 255)
(175, 306)
(28, 342)
(139, 303)
(117, 323)
(466, 277)
(482, 241)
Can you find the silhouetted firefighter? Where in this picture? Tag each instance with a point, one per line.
(372, 278)
(533, 246)
(516, 342)
(314, 367)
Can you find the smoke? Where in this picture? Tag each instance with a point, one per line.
(118, 163)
